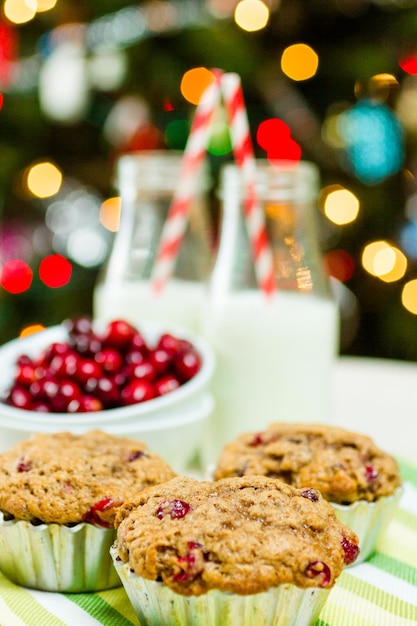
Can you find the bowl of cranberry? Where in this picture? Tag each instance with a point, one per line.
(150, 382)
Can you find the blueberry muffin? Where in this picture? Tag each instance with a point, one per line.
(236, 551)
(59, 494)
(360, 480)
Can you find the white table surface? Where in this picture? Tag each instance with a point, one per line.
(378, 397)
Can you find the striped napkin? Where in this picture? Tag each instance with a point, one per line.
(380, 592)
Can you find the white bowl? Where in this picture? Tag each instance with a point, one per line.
(173, 425)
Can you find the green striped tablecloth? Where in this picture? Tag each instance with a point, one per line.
(380, 592)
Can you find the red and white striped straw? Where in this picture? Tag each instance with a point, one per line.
(194, 154)
(244, 157)
(175, 225)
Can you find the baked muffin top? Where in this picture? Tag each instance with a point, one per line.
(343, 465)
(242, 535)
(67, 478)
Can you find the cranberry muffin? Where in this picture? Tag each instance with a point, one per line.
(360, 480)
(59, 494)
(236, 551)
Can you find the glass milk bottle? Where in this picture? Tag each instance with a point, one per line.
(274, 354)
(146, 182)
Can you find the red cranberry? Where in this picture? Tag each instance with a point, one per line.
(56, 349)
(64, 365)
(42, 406)
(87, 345)
(190, 564)
(144, 371)
(20, 397)
(318, 568)
(133, 357)
(119, 334)
(257, 440)
(26, 374)
(85, 404)
(136, 454)
(138, 343)
(24, 465)
(44, 389)
(106, 390)
(169, 343)
(66, 392)
(137, 391)
(166, 384)
(161, 360)
(310, 494)
(371, 473)
(351, 551)
(93, 517)
(79, 325)
(109, 359)
(187, 364)
(86, 369)
(176, 509)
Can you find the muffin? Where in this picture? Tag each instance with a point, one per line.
(59, 494)
(361, 481)
(250, 551)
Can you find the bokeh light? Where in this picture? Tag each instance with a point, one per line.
(45, 5)
(1, 101)
(339, 264)
(340, 205)
(409, 64)
(20, 11)
(251, 15)
(409, 296)
(299, 62)
(55, 271)
(16, 276)
(43, 180)
(109, 214)
(374, 141)
(220, 142)
(385, 261)
(274, 136)
(194, 83)
(176, 134)
(31, 330)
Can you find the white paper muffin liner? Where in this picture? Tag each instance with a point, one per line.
(368, 520)
(154, 604)
(54, 557)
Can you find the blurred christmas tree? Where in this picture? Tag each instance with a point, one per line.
(83, 81)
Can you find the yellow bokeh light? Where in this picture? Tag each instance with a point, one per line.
(398, 266)
(251, 15)
(43, 179)
(385, 261)
(340, 206)
(110, 213)
(20, 11)
(195, 82)
(409, 296)
(31, 330)
(45, 5)
(299, 62)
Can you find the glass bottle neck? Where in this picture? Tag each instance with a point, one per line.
(287, 196)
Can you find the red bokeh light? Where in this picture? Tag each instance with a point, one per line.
(16, 276)
(274, 136)
(409, 65)
(339, 264)
(55, 271)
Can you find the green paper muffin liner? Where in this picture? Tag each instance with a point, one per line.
(368, 520)
(156, 604)
(54, 557)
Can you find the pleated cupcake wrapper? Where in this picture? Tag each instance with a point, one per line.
(368, 520)
(53, 557)
(155, 604)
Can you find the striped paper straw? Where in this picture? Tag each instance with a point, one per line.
(194, 153)
(244, 156)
